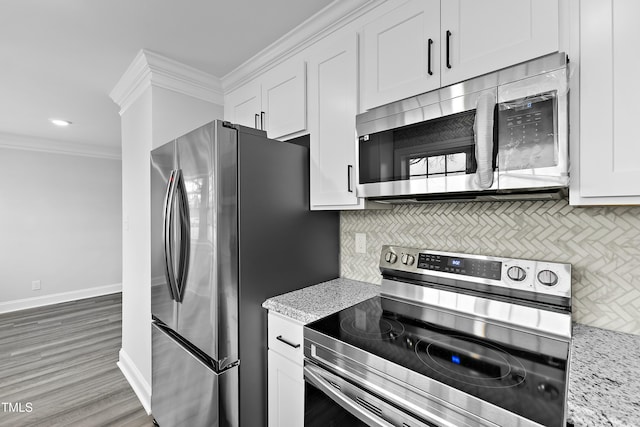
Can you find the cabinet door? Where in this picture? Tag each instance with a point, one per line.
(286, 392)
(284, 99)
(402, 53)
(242, 106)
(333, 105)
(487, 35)
(609, 149)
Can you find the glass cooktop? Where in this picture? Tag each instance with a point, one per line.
(522, 372)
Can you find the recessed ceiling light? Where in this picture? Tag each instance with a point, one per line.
(59, 122)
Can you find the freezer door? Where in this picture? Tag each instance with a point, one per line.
(163, 164)
(208, 308)
(186, 391)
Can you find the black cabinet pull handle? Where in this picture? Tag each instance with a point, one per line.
(261, 120)
(448, 42)
(349, 169)
(279, 338)
(255, 119)
(429, 43)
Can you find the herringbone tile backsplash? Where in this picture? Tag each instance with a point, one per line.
(601, 243)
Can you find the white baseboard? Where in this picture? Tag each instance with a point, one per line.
(22, 304)
(140, 387)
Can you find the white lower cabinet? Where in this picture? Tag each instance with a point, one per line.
(286, 392)
(285, 375)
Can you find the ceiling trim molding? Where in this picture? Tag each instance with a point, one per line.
(27, 143)
(333, 17)
(151, 69)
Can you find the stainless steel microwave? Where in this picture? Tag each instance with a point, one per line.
(503, 135)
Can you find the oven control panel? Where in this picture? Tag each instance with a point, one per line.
(502, 275)
(460, 265)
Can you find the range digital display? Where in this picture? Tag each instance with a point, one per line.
(455, 262)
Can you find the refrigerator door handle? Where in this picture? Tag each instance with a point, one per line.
(167, 238)
(185, 237)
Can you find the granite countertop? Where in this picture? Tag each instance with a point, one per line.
(604, 385)
(317, 301)
(604, 389)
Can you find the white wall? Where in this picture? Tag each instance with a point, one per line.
(60, 223)
(136, 264)
(155, 117)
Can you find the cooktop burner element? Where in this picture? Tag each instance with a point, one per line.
(491, 369)
(476, 347)
(363, 327)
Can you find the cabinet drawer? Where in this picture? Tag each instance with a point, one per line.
(285, 337)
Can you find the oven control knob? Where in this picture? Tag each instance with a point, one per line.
(390, 257)
(548, 278)
(408, 259)
(517, 274)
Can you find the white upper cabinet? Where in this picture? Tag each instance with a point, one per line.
(275, 101)
(333, 105)
(484, 36)
(426, 44)
(605, 166)
(284, 99)
(402, 53)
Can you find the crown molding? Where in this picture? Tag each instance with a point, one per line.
(333, 17)
(20, 142)
(151, 69)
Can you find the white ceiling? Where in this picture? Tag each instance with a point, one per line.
(61, 59)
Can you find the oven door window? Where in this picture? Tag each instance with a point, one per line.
(439, 147)
(321, 411)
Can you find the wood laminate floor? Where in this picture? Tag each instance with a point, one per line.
(58, 367)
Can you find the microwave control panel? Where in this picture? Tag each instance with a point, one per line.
(527, 133)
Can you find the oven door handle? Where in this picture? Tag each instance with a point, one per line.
(332, 385)
(314, 376)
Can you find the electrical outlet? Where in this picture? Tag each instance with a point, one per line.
(361, 243)
(35, 285)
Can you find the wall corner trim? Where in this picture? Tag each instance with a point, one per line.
(140, 387)
(150, 69)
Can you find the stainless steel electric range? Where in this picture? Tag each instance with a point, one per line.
(452, 340)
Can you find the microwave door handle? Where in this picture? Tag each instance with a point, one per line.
(324, 386)
(167, 235)
(483, 131)
(185, 237)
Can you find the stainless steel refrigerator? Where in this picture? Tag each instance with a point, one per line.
(230, 227)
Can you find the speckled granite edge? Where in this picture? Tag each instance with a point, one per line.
(604, 389)
(317, 301)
